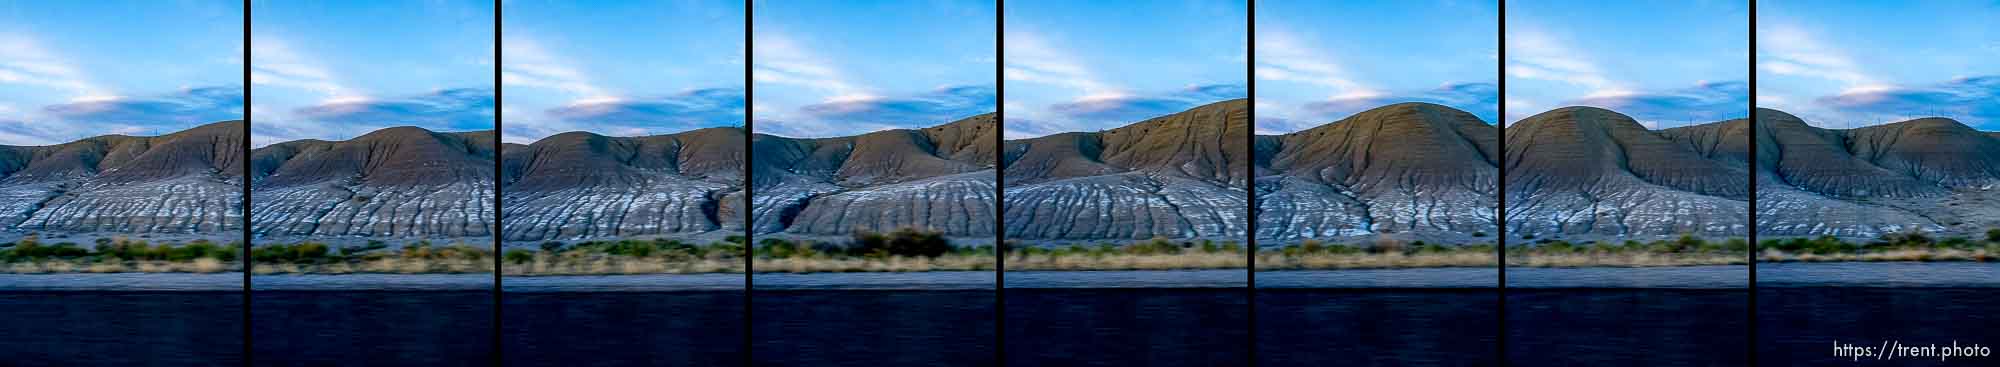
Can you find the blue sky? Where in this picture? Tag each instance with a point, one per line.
(339, 69)
(834, 68)
(1312, 71)
(1665, 63)
(1089, 65)
(659, 67)
(75, 69)
(1858, 63)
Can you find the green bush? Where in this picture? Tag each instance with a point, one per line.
(29, 248)
(1736, 245)
(310, 251)
(902, 242)
(778, 248)
(1311, 247)
(349, 252)
(462, 252)
(195, 250)
(1156, 246)
(520, 256)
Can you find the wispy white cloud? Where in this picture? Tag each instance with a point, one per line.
(1479, 98)
(1033, 59)
(1972, 100)
(1023, 128)
(460, 109)
(942, 104)
(810, 128)
(1520, 108)
(845, 106)
(1790, 50)
(278, 64)
(144, 115)
(1092, 101)
(632, 116)
(1538, 55)
(529, 65)
(178, 110)
(1705, 102)
(1283, 56)
(23, 60)
(780, 60)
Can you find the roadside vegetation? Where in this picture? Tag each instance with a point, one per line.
(1686, 250)
(1910, 246)
(1378, 254)
(903, 250)
(30, 255)
(654, 256)
(374, 257)
(1155, 254)
(911, 250)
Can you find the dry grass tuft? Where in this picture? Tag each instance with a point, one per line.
(1905, 254)
(892, 264)
(1159, 261)
(1389, 260)
(381, 266)
(544, 263)
(1623, 259)
(204, 265)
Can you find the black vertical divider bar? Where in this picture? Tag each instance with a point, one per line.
(245, 180)
(1500, 211)
(1250, 188)
(749, 180)
(1751, 67)
(999, 184)
(498, 92)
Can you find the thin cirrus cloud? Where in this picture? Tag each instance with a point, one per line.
(1918, 59)
(580, 103)
(1086, 98)
(1281, 56)
(1133, 108)
(28, 62)
(865, 114)
(1707, 102)
(1031, 58)
(1096, 113)
(148, 115)
(684, 111)
(182, 108)
(1974, 101)
(1079, 66)
(780, 60)
(278, 64)
(1312, 72)
(943, 104)
(1665, 65)
(838, 105)
(1789, 50)
(1480, 99)
(65, 78)
(1534, 54)
(530, 65)
(461, 108)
